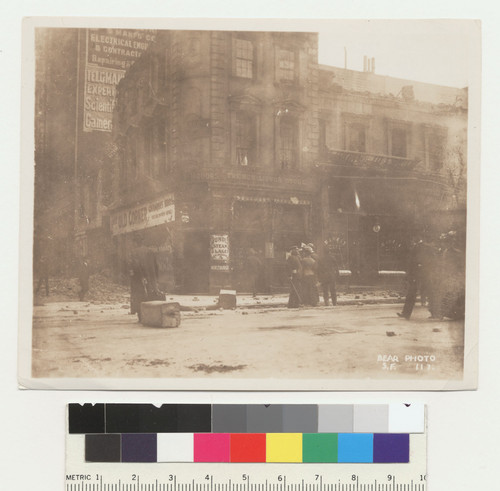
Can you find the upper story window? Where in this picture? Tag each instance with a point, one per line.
(286, 65)
(288, 148)
(399, 146)
(243, 58)
(398, 139)
(245, 138)
(436, 149)
(356, 137)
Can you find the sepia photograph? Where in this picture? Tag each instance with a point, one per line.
(250, 204)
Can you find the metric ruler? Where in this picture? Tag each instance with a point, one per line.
(250, 477)
(83, 446)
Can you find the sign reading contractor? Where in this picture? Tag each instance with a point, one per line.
(143, 216)
(110, 52)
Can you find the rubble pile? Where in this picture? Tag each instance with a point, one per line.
(102, 289)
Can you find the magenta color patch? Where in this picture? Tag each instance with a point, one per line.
(212, 447)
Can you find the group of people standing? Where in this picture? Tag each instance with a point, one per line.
(305, 270)
(437, 272)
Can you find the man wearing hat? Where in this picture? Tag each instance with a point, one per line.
(328, 272)
(253, 267)
(313, 253)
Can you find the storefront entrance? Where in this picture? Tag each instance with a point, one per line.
(267, 230)
(195, 265)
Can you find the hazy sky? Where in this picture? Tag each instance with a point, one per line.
(436, 51)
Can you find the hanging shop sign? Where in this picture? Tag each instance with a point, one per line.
(143, 216)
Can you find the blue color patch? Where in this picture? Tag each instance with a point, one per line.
(355, 447)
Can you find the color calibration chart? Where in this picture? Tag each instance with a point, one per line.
(246, 447)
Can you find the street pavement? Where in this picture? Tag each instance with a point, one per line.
(352, 340)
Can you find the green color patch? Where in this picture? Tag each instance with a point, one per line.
(319, 447)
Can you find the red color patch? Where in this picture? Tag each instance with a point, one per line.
(248, 447)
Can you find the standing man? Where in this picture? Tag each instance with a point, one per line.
(253, 267)
(414, 278)
(138, 282)
(294, 270)
(314, 255)
(328, 272)
(83, 277)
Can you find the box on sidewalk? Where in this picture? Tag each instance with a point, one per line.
(227, 299)
(160, 314)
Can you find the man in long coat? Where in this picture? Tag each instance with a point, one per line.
(294, 270)
(328, 272)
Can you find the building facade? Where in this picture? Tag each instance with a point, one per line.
(230, 143)
(76, 73)
(392, 165)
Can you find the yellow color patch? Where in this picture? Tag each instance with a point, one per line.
(284, 447)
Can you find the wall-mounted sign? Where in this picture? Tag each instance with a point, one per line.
(110, 52)
(219, 267)
(143, 216)
(219, 247)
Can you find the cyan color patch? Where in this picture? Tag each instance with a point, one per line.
(355, 447)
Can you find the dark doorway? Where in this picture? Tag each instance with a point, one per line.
(195, 262)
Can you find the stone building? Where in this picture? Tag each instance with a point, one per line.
(392, 165)
(229, 142)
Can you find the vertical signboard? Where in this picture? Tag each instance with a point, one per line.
(219, 252)
(109, 53)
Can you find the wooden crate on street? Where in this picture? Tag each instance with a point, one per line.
(160, 314)
(227, 299)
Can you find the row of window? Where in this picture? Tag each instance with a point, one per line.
(244, 65)
(245, 144)
(151, 149)
(398, 141)
(245, 140)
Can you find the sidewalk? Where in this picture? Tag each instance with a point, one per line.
(281, 299)
(103, 292)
